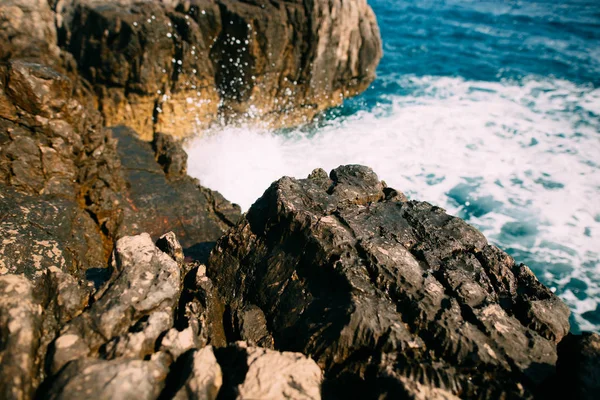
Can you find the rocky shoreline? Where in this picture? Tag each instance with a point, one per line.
(179, 66)
(122, 277)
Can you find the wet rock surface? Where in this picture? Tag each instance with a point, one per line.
(69, 191)
(333, 286)
(390, 297)
(178, 66)
(65, 315)
(342, 288)
(158, 202)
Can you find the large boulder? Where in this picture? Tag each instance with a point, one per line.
(176, 66)
(391, 297)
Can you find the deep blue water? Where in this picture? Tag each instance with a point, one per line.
(490, 109)
(485, 41)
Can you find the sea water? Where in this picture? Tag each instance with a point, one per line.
(489, 109)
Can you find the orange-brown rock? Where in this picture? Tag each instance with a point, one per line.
(177, 67)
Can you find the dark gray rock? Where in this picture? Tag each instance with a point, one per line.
(578, 367)
(201, 308)
(390, 297)
(170, 155)
(156, 204)
(251, 324)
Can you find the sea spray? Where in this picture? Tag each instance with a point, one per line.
(519, 160)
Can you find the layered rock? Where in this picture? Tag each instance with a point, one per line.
(126, 343)
(63, 203)
(142, 292)
(59, 174)
(178, 66)
(68, 190)
(391, 297)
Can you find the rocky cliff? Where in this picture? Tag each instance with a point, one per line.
(332, 286)
(122, 277)
(179, 66)
(68, 193)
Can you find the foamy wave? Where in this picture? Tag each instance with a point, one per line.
(519, 160)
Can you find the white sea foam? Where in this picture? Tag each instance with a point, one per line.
(528, 153)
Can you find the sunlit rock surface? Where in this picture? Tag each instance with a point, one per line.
(333, 286)
(178, 66)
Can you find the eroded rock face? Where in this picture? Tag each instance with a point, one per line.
(63, 203)
(27, 29)
(390, 297)
(59, 175)
(66, 196)
(177, 66)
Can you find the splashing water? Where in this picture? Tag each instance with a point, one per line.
(516, 153)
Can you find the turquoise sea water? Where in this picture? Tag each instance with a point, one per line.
(490, 109)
